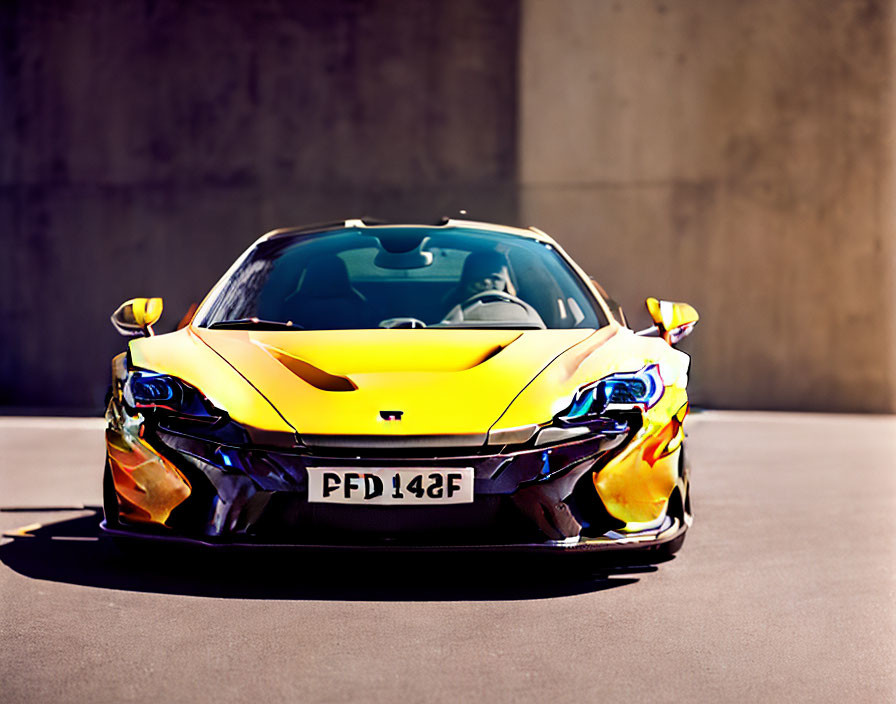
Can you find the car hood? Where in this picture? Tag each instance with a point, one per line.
(349, 382)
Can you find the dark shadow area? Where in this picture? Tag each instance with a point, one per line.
(344, 108)
(45, 509)
(72, 551)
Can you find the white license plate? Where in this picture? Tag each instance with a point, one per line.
(408, 486)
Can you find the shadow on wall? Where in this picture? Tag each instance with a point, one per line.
(185, 131)
(72, 551)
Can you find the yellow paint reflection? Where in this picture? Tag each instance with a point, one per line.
(149, 487)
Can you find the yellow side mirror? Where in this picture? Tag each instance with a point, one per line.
(137, 316)
(673, 320)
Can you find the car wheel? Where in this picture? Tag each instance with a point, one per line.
(110, 498)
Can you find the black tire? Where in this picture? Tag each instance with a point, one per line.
(110, 498)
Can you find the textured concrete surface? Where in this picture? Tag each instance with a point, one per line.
(737, 156)
(782, 592)
(144, 145)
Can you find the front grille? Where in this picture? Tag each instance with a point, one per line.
(262, 495)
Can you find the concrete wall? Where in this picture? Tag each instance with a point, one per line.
(734, 155)
(145, 143)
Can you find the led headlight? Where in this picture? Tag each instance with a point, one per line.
(151, 391)
(643, 388)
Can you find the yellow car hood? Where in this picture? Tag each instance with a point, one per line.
(443, 382)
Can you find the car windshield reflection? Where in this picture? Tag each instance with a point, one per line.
(403, 277)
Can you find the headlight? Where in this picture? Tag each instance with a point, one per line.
(145, 390)
(151, 391)
(643, 388)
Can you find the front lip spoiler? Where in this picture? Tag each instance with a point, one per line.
(645, 542)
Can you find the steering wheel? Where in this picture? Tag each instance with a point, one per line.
(458, 313)
(493, 294)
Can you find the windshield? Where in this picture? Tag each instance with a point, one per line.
(402, 277)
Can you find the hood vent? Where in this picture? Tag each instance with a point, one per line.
(315, 376)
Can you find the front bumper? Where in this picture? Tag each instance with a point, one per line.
(646, 541)
(166, 486)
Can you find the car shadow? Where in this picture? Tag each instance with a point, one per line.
(73, 551)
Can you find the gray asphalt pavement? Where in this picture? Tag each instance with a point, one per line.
(784, 591)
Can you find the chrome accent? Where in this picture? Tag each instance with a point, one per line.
(512, 436)
(552, 435)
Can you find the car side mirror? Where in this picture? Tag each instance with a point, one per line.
(137, 316)
(674, 321)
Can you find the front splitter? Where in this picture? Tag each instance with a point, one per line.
(646, 541)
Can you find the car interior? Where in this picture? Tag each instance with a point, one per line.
(357, 281)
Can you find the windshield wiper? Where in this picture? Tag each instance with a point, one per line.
(478, 325)
(254, 324)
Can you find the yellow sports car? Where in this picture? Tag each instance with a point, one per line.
(459, 385)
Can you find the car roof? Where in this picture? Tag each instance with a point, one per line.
(532, 233)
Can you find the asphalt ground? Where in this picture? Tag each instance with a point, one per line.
(783, 591)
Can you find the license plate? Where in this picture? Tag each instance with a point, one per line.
(409, 486)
